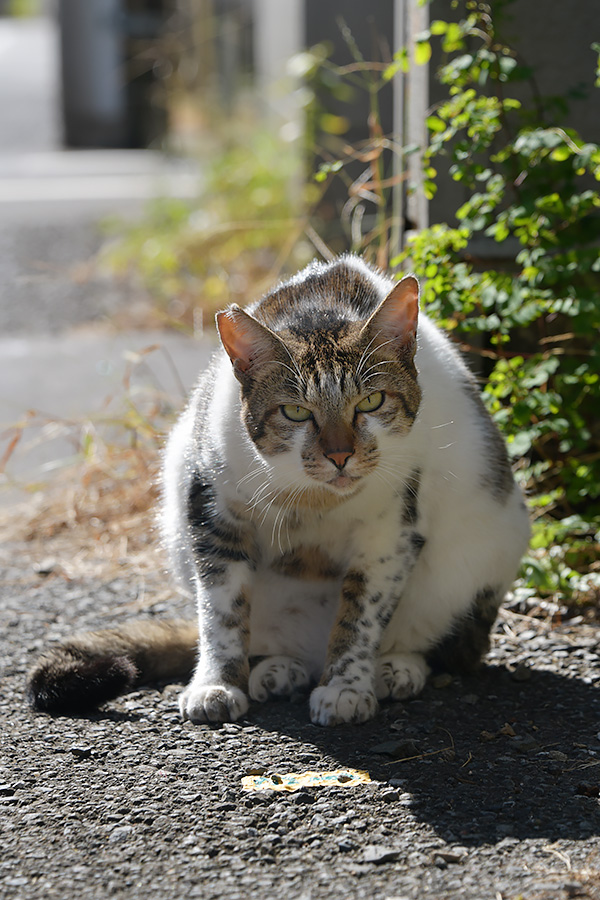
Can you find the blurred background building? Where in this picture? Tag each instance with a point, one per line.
(129, 72)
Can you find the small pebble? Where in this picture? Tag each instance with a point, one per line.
(471, 699)
(81, 751)
(558, 755)
(122, 833)
(524, 744)
(442, 681)
(521, 673)
(344, 846)
(396, 749)
(302, 797)
(373, 853)
(451, 856)
(46, 566)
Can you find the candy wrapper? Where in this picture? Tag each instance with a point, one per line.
(294, 781)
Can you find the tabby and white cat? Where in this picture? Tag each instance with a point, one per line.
(339, 502)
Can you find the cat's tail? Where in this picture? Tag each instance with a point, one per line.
(91, 668)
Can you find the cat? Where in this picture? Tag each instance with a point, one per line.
(338, 500)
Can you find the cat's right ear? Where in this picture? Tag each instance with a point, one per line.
(247, 343)
(395, 319)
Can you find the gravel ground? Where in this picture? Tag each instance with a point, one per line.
(481, 787)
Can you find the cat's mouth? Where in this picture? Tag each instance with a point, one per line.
(343, 482)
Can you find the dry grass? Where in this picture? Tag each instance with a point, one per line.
(96, 514)
(92, 519)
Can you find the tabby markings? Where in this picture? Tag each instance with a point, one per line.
(307, 563)
(216, 541)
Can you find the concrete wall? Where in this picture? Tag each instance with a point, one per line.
(554, 38)
(551, 36)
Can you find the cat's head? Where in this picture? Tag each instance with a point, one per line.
(328, 390)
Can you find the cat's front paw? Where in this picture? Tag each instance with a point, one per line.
(400, 675)
(339, 704)
(277, 676)
(201, 703)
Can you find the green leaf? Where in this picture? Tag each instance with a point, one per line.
(435, 124)
(326, 169)
(334, 124)
(401, 63)
(519, 444)
(422, 52)
(429, 189)
(438, 27)
(454, 39)
(506, 64)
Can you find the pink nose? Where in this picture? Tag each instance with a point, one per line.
(339, 457)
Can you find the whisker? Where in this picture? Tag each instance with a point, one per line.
(374, 350)
(396, 469)
(380, 362)
(286, 519)
(295, 365)
(379, 475)
(368, 378)
(282, 516)
(260, 470)
(259, 490)
(295, 372)
(401, 483)
(270, 504)
(364, 357)
(259, 497)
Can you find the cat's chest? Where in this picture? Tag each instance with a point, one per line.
(309, 545)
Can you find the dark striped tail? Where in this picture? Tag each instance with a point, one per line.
(91, 668)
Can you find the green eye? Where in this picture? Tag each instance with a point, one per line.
(370, 403)
(296, 413)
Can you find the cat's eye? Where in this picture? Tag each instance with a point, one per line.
(296, 413)
(370, 403)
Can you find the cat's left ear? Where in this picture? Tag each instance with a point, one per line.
(247, 342)
(395, 319)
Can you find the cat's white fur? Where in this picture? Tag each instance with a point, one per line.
(472, 538)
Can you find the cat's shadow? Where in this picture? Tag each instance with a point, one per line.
(484, 759)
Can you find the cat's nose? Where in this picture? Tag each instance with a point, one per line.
(339, 458)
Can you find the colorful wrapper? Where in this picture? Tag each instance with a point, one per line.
(293, 781)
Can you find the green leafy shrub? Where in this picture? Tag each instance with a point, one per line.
(532, 189)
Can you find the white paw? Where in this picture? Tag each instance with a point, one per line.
(400, 675)
(276, 676)
(212, 703)
(339, 704)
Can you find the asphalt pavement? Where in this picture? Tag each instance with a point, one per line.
(484, 788)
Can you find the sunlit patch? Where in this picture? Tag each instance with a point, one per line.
(294, 781)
